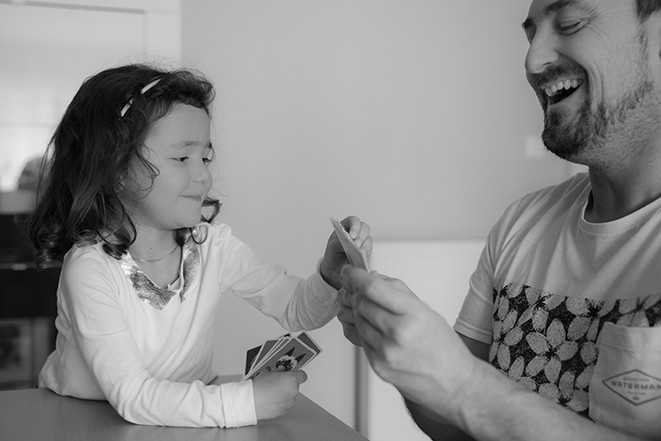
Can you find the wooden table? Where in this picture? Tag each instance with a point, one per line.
(39, 414)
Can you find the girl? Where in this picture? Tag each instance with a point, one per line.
(143, 270)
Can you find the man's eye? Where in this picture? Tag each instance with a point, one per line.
(571, 27)
(530, 35)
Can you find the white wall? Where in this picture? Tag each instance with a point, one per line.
(411, 114)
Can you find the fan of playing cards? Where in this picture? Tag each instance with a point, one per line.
(287, 353)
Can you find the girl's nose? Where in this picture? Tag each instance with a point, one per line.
(202, 173)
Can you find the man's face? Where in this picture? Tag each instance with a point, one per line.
(589, 65)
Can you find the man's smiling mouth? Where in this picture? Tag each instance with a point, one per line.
(558, 90)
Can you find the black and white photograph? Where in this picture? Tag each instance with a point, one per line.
(449, 211)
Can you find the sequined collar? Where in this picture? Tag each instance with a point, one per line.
(153, 294)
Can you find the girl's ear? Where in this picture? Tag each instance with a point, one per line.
(121, 183)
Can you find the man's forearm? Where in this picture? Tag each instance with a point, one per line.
(433, 425)
(495, 408)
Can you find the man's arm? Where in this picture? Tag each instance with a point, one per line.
(412, 347)
(430, 422)
(493, 407)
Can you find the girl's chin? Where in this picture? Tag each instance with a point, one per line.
(187, 224)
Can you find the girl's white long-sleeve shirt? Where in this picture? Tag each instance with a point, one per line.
(148, 350)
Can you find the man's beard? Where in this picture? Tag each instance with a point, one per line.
(591, 128)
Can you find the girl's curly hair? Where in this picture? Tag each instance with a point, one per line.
(90, 152)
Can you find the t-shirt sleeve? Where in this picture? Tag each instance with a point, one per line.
(475, 317)
(295, 303)
(98, 325)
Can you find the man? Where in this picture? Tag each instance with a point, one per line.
(560, 334)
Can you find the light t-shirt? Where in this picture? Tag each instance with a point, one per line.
(148, 350)
(553, 292)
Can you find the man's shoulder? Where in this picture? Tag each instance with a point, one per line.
(568, 192)
(547, 204)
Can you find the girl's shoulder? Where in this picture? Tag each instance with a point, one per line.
(86, 259)
(211, 232)
(86, 252)
(89, 264)
(218, 239)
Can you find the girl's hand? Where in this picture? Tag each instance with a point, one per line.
(335, 258)
(275, 392)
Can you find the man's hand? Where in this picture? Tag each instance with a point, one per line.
(346, 318)
(408, 344)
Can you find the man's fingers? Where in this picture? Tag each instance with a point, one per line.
(345, 315)
(351, 333)
(370, 337)
(378, 317)
(391, 294)
(345, 297)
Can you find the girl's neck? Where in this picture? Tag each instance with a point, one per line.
(158, 255)
(157, 259)
(153, 246)
(165, 271)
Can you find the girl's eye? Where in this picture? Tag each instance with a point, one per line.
(208, 159)
(181, 159)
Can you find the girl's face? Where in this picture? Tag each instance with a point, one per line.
(179, 147)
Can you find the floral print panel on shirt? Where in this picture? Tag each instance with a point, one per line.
(548, 342)
(153, 294)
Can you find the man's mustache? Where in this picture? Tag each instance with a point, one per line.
(554, 72)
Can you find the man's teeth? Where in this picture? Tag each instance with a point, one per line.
(560, 85)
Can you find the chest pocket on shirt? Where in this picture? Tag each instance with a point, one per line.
(625, 390)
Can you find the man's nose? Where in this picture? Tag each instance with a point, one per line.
(541, 53)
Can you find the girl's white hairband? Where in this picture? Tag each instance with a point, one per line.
(142, 92)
